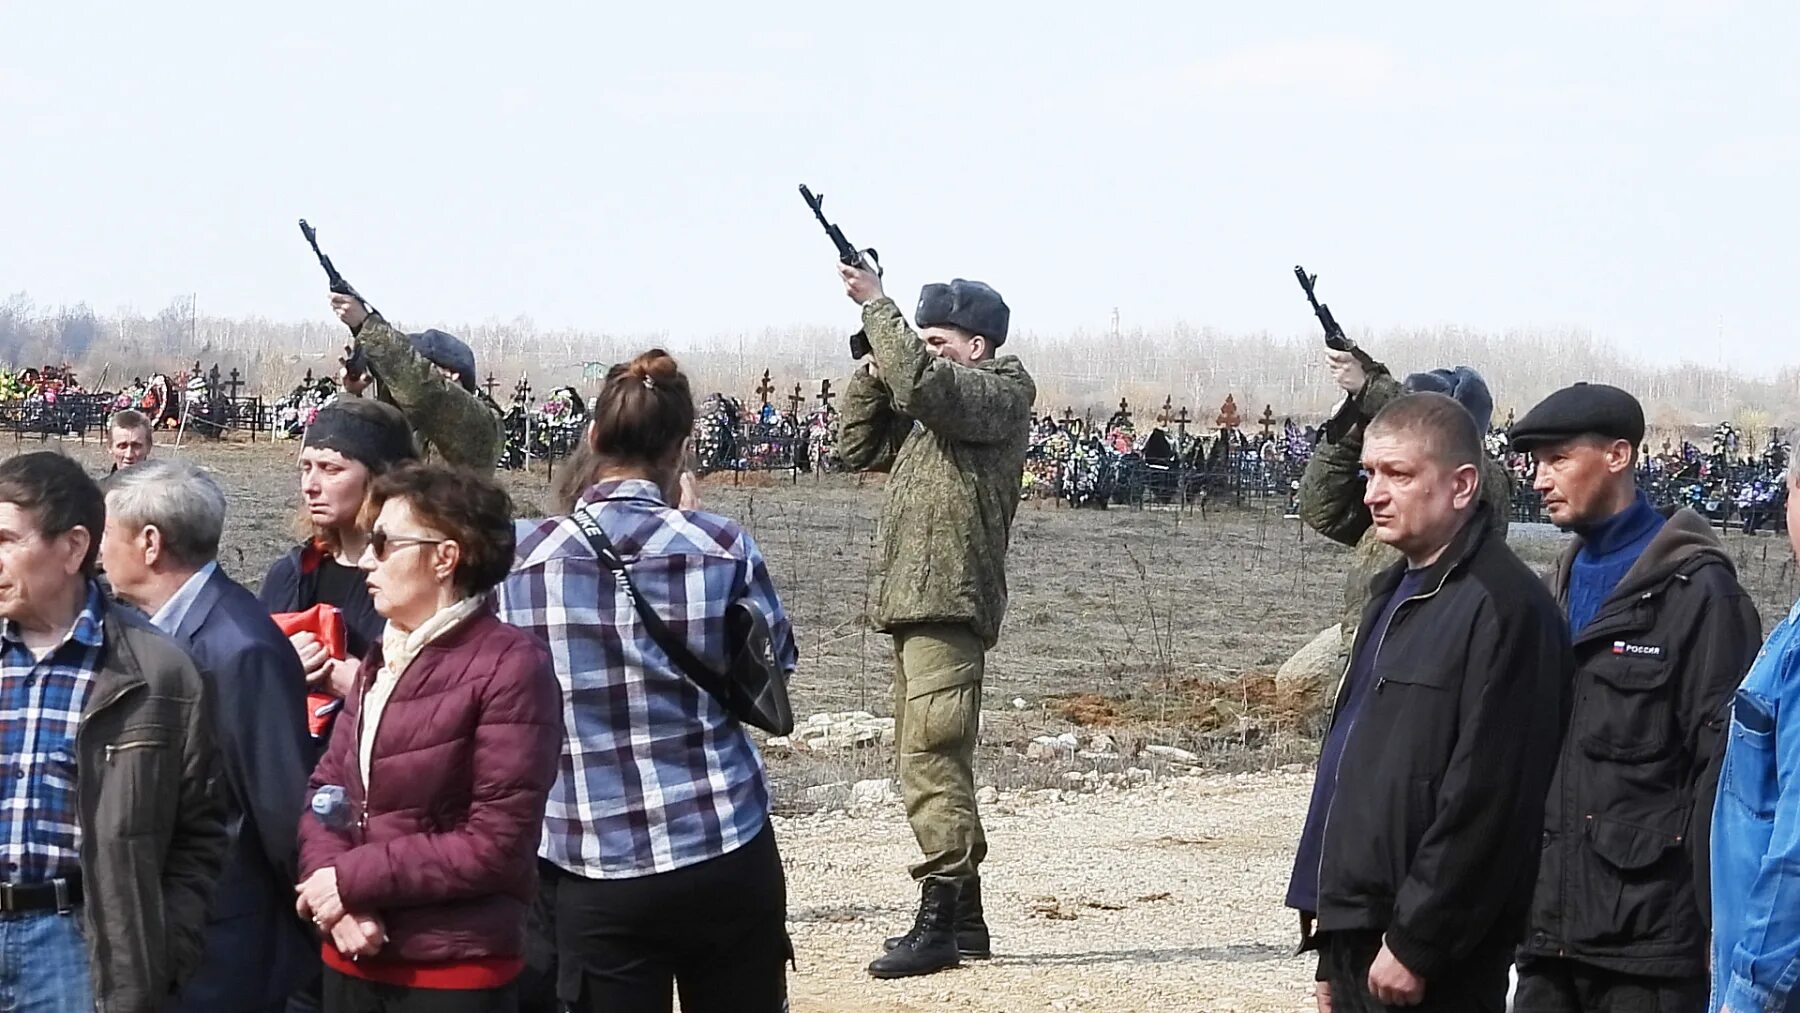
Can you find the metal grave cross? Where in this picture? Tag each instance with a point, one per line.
(795, 400)
(766, 388)
(489, 385)
(825, 394)
(1125, 410)
(234, 383)
(1168, 411)
(1268, 422)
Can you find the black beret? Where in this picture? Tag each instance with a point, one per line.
(1586, 409)
(970, 305)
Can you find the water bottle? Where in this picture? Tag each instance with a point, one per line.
(331, 808)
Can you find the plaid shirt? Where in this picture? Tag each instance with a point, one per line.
(655, 774)
(40, 709)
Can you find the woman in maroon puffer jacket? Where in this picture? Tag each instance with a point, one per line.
(422, 875)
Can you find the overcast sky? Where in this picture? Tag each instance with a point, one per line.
(1624, 168)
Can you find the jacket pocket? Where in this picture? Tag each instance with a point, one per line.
(1627, 716)
(1748, 776)
(1634, 884)
(139, 781)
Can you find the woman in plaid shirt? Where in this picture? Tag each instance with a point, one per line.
(660, 865)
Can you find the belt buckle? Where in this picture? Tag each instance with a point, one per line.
(61, 887)
(6, 897)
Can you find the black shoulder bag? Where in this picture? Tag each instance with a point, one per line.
(753, 688)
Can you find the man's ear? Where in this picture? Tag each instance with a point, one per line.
(151, 540)
(980, 348)
(1467, 484)
(1619, 456)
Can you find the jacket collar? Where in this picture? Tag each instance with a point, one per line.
(1459, 551)
(204, 600)
(1686, 542)
(120, 671)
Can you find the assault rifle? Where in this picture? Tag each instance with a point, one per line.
(355, 363)
(868, 259)
(1335, 339)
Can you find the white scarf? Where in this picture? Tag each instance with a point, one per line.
(398, 649)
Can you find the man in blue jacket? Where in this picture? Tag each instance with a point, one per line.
(163, 522)
(1756, 827)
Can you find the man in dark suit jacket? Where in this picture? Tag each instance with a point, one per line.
(163, 522)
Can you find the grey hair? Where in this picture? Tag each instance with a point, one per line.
(181, 499)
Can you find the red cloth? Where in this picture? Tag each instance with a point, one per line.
(327, 623)
(446, 850)
(489, 972)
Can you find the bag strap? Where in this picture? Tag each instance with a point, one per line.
(673, 646)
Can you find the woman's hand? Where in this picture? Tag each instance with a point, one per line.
(359, 935)
(315, 660)
(342, 675)
(319, 895)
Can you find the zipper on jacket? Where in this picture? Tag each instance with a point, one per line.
(120, 747)
(1337, 775)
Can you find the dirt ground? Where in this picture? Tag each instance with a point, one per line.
(1153, 626)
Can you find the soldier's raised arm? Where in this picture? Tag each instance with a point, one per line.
(437, 397)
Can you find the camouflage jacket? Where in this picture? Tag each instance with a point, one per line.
(460, 428)
(1331, 496)
(952, 439)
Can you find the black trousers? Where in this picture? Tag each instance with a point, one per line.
(715, 932)
(1552, 985)
(1478, 985)
(344, 994)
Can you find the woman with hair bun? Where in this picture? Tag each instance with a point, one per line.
(660, 865)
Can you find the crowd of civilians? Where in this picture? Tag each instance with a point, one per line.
(440, 764)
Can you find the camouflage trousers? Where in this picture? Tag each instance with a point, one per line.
(937, 719)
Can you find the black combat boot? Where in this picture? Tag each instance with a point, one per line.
(931, 945)
(971, 927)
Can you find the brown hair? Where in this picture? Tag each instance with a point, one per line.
(644, 410)
(129, 419)
(470, 510)
(1442, 422)
(59, 495)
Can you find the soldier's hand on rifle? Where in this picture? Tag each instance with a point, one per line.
(353, 385)
(1346, 371)
(861, 285)
(349, 309)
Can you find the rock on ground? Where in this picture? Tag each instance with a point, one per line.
(1162, 897)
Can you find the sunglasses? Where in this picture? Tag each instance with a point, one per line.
(380, 542)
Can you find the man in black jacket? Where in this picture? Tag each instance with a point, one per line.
(1420, 848)
(1663, 633)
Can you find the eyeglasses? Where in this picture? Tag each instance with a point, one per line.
(380, 541)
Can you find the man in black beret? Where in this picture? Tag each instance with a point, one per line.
(1663, 632)
(949, 421)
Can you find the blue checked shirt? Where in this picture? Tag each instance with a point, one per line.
(40, 709)
(655, 774)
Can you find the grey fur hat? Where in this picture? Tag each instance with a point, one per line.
(448, 351)
(971, 305)
(1462, 384)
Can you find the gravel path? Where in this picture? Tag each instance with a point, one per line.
(1165, 897)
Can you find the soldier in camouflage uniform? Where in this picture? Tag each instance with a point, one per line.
(949, 423)
(1331, 488)
(430, 377)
